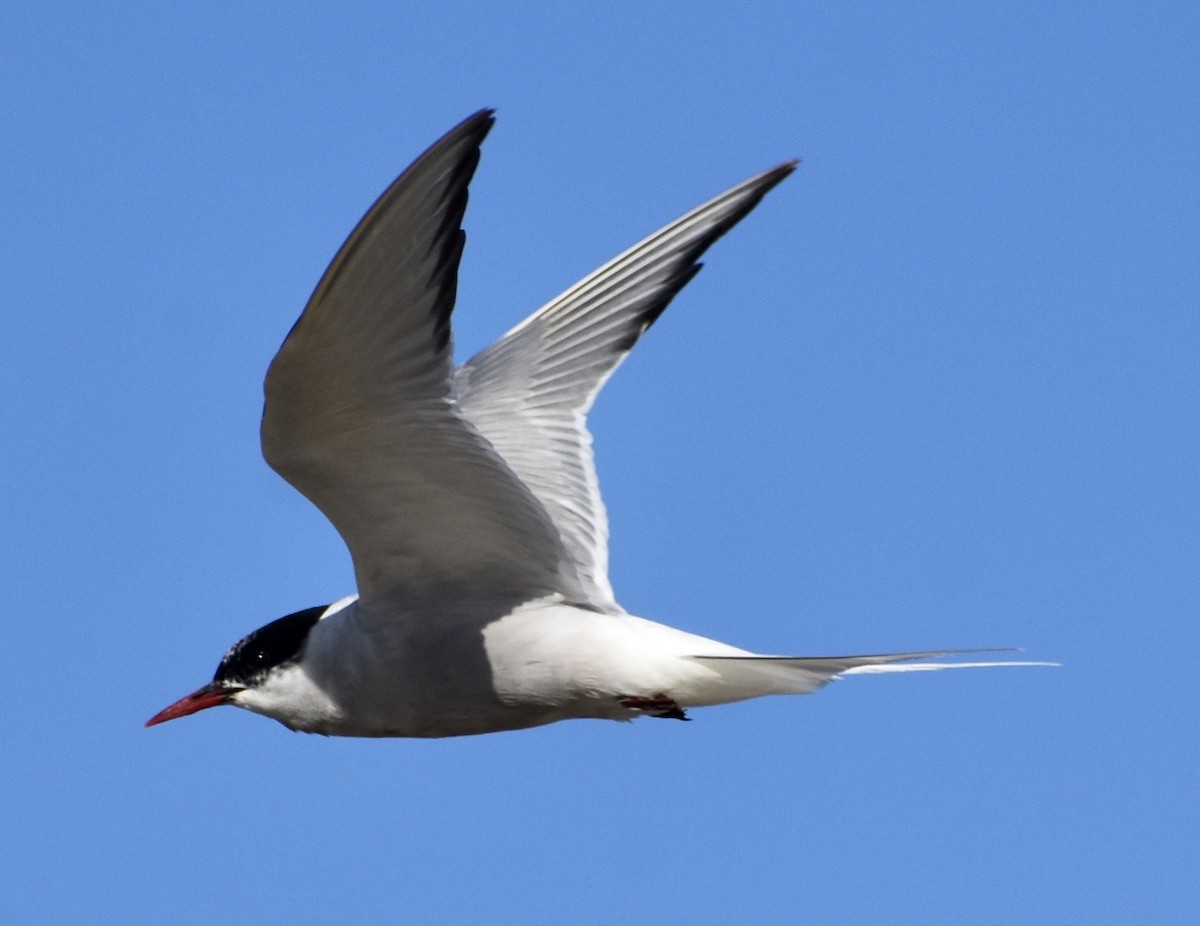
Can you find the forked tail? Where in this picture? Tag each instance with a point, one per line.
(743, 677)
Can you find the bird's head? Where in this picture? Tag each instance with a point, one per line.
(253, 668)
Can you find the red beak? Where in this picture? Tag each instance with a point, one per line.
(211, 695)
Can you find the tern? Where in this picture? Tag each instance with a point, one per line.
(468, 497)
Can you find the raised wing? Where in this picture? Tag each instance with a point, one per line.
(529, 393)
(360, 414)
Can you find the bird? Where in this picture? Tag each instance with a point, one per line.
(468, 496)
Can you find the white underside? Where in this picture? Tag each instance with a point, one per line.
(542, 662)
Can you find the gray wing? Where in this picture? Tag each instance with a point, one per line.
(529, 393)
(360, 414)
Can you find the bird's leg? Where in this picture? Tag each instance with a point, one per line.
(659, 705)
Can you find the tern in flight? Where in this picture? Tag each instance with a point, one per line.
(468, 497)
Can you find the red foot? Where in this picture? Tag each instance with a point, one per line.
(658, 705)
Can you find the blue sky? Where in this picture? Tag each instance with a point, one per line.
(940, 389)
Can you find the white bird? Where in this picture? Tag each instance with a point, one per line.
(468, 498)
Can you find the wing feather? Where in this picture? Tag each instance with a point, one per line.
(360, 414)
(529, 393)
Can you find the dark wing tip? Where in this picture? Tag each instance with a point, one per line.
(689, 260)
(478, 124)
(458, 147)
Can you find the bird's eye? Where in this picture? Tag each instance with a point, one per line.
(260, 656)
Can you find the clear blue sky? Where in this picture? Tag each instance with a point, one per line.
(941, 389)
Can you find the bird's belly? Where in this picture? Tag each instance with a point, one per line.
(536, 664)
(583, 663)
